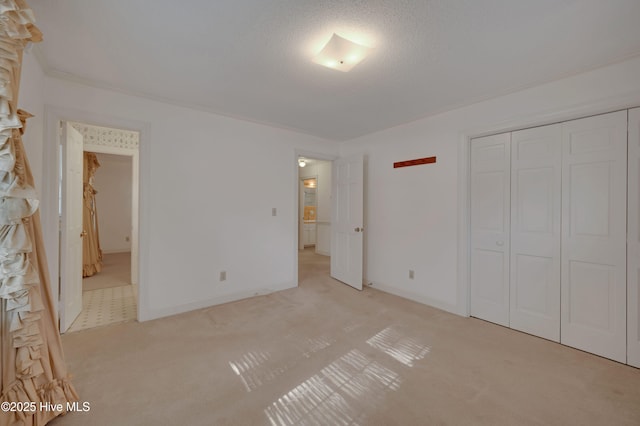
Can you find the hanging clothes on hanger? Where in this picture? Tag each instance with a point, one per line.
(91, 251)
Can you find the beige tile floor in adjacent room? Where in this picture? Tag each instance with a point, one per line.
(107, 297)
(325, 354)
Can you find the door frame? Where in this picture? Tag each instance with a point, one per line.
(135, 182)
(542, 118)
(633, 240)
(301, 206)
(50, 195)
(296, 197)
(134, 155)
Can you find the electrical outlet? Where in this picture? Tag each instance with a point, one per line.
(412, 274)
(223, 275)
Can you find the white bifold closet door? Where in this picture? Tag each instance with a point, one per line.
(490, 214)
(535, 231)
(633, 248)
(549, 233)
(594, 225)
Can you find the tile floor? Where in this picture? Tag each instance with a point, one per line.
(105, 306)
(107, 297)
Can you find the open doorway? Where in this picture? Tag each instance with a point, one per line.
(339, 230)
(314, 217)
(108, 290)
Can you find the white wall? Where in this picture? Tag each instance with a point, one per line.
(324, 191)
(413, 213)
(31, 98)
(323, 221)
(113, 183)
(196, 217)
(196, 166)
(321, 170)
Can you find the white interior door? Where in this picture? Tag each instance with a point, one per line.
(535, 231)
(71, 244)
(633, 247)
(594, 219)
(347, 220)
(490, 213)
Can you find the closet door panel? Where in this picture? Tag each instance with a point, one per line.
(594, 195)
(633, 248)
(535, 231)
(490, 215)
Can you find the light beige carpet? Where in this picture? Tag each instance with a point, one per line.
(325, 354)
(116, 272)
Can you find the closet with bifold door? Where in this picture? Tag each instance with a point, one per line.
(548, 240)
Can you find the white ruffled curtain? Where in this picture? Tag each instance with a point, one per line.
(33, 367)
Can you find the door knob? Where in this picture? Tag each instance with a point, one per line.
(83, 234)
(357, 229)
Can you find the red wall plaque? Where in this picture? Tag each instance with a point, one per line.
(416, 162)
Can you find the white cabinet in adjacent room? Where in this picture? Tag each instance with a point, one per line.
(309, 236)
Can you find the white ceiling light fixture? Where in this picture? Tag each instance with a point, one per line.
(341, 54)
(302, 162)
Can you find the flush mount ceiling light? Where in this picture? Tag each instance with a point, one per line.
(341, 54)
(302, 162)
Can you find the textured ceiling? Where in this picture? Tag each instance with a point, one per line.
(251, 59)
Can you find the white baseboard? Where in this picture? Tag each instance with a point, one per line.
(416, 297)
(187, 307)
(114, 251)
